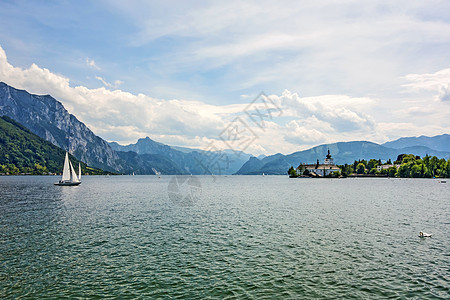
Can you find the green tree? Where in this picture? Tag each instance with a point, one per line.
(373, 171)
(447, 169)
(408, 158)
(360, 168)
(433, 165)
(373, 163)
(335, 174)
(391, 171)
(416, 171)
(292, 172)
(405, 170)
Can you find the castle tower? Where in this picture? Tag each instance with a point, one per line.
(328, 160)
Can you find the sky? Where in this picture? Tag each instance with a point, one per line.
(186, 73)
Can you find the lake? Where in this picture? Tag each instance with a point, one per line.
(235, 237)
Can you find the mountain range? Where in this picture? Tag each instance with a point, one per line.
(343, 152)
(191, 161)
(438, 142)
(47, 118)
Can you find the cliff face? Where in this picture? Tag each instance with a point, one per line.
(47, 118)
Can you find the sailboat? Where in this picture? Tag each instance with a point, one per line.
(69, 176)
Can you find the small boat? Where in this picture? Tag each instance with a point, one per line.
(157, 173)
(69, 176)
(424, 235)
(443, 181)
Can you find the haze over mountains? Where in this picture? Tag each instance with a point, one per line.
(192, 161)
(343, 152)
(438, 142)
(47, 118)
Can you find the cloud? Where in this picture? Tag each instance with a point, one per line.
(438, 82)
(300, 134)
(339, 111)
(444, 92)
(121, 116)
(328, 47)
(91, 64)
(106, 110)
(107, 84)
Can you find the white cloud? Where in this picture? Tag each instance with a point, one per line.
(438, 82)
(349, 47)
(306, 121)
(340, 111)
(91, 63)
(116, 83)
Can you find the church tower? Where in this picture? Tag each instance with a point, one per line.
(328, 160)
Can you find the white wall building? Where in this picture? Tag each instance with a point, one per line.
(322, 170)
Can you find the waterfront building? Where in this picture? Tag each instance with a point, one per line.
(318, 169)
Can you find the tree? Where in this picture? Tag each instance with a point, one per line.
(408, 158)
(346, 169)
(373, 163)
(335, 174)
(433, 165)
(405, 170)
(360, 168)
(391, 171)
(292, 172)
(416, 171)
(447, 169)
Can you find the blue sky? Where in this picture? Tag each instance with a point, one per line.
(181, 71)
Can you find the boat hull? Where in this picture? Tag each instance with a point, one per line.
(67, 183)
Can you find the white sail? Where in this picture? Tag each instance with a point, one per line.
(79, 171)
(73, 174)
(66, 169)
(69, 176)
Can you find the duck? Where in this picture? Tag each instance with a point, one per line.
(423, 234)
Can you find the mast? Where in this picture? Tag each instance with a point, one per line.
(79, 171)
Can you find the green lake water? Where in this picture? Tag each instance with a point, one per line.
(229, 237)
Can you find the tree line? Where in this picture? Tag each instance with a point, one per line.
(406, 166)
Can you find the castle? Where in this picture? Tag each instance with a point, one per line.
(320, 170)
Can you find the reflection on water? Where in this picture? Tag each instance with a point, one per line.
(245, 237)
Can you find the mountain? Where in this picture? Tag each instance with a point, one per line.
(47, 118)
(343, 152)
(21, 151)
(144, 164)
(190, 161)
(438, 142)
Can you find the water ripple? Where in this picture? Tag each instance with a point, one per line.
(248, 237)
